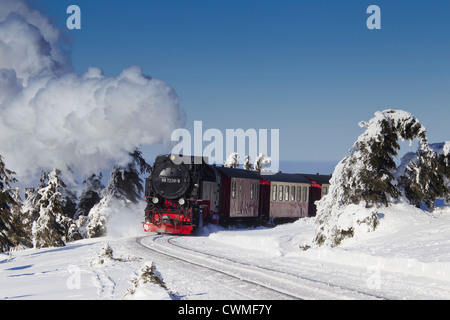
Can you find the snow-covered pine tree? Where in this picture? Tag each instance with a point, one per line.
(423, 176)
(232, 160)
(20, 234)
(366, 176)
(446, 160)
(50, 230)
(261, 161)
(30, 206)
(6, 202)
(247, 164)
(124, 189)
(69, 202)
(125, 182)
(91, 194)
(443, 152)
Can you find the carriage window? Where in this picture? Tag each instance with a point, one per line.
(256, 190)
(252, 190)
(305, 193)
(233, 190)
(286, 195)
(240, 190)
(299, 193)
(274, 192)
(280, 194)
(292, 193)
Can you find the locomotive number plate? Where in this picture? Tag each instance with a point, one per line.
(170, 180)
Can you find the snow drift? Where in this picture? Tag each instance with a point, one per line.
(51, 117)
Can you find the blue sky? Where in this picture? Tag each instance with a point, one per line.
(309, 68)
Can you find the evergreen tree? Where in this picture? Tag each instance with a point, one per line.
(369, 170)
(69, 202)
(124, 188)
(6, 202)
(20, 233)
(366, 175)
(247, 163)
(423, 176)
(48, 231)
(91, 194)
(31, 206)
(261, 161)
(232, 160)
(125, 182)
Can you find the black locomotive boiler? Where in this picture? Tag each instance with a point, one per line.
(174, 194)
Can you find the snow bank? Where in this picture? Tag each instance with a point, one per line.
(276, 241)
(408, 240)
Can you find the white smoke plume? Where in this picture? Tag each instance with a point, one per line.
(51, 117)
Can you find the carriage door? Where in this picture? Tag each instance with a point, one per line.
(210, 192)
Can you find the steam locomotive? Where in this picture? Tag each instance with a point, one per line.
(185, 192)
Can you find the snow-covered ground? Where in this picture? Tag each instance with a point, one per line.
(407, 257)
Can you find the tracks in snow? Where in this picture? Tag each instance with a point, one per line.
(276, 284)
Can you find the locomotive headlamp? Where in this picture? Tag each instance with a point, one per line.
(155, 200)
(172, 157)
(181, 201)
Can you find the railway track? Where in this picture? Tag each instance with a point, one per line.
(277, 283)
(223, 276)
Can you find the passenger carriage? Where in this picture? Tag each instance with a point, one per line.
(238, 194)
(285, 196)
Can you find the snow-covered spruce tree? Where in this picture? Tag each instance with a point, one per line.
(443, 163)
(446, 160)
(91, 194)
(69, 202)
(53, 228)
(247, 164)
(20, 233)
(6, 202)
(124, 189)
(261, 161)
(365, 177)
(30, 205)
(125, 183)
(423, 176)
(47, 231)
(232, 160)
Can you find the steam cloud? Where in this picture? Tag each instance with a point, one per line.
(51, 117)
